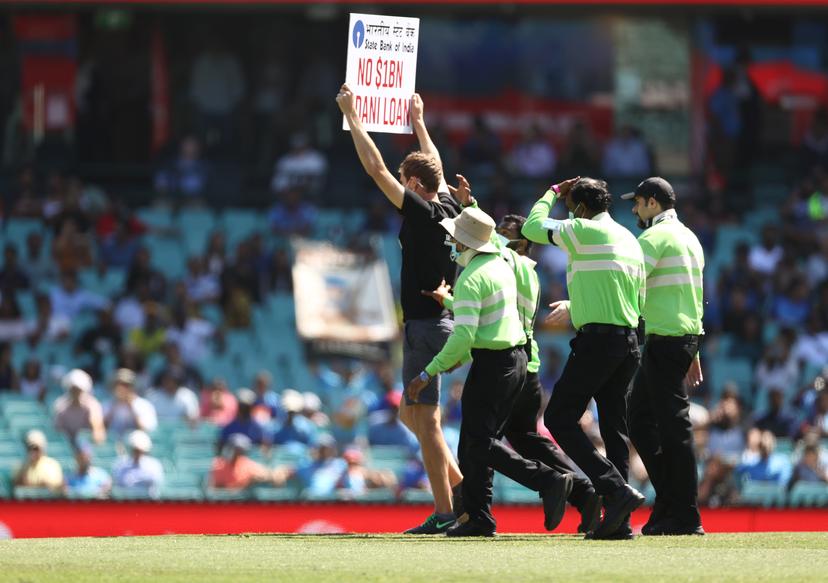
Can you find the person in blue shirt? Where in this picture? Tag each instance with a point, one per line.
(296, 428)
(766, 466)
(320, 476)
(88, 481)
(244, 422)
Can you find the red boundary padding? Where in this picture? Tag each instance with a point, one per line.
(65, 518)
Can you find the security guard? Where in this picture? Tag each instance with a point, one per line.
(521, 428)
(488, 329)
(658, 405)
(605, 276)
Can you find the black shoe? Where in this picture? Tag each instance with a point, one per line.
(617, 509)
(470, 528)
(457, 500)
(672, 526)
(660, 512)
(624, 532)
(434, 524)
(590, 512)
(554, 501)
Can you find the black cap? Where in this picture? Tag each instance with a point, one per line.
(655, 187)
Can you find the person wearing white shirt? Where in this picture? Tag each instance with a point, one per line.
(139, 471)
(764, 258)
(128, 411)
(192, 335)
(173, 402)
(69, 301)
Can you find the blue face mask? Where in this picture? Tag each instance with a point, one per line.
(454, 254)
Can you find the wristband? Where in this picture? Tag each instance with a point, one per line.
(425, 377)
(556, 189)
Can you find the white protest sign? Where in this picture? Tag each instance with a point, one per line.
(382, 70)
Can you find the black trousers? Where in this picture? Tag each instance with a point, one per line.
(660, 425)
(522, 433)
(600, 366)
(495, 379)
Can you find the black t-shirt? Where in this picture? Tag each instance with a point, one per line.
(425, 253)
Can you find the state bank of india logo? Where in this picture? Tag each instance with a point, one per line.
(358, 35)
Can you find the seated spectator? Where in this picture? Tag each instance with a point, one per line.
(87, 481)
(292, 215)
(817, 422)
(172, 401)
(202, 285)
(748, 340)
(776, 419)
(767, 466)
(267, 405)
(187, 374)
(192, 335)
(320, 476)
(101, 340)
(414, 476)
(236, 471)
(184, 178)
(143, 280)
(78, 409)
(68, 300)
(150, 337)
(385, 427)
(119, 248)
(346, 390)
(810, 468)
(71, 247)
(13, 327)
(244, 422)
(725, 445)
(36, 260)
(278, 276)
(39, 470)
(580, 155)
(812, 346)
(128, 411)
(381, 219)
(453, 409)
(218, 405)
(533, 156)
(32, 384)
(627, 155)
(312, 409)
(48, 325)
(357, 479)
(765, 256)
(9, 379)
(295, 428)
(138, 470)
(302, 167)
(791, 308)
(12, 276)
(777, 369)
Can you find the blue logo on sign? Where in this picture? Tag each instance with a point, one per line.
(358, 35)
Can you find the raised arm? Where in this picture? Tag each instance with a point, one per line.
(426, 144)
(534, 228)
(367, 150)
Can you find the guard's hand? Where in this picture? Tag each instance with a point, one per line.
(694, 375)
(565, 186)
(462, 193)
(559, 318)
(440, 294)
(415, 387)
(345, 99)
(417, 108)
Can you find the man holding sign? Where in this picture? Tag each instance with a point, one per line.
(423, 200)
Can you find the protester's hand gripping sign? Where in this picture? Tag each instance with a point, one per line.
(382, 70)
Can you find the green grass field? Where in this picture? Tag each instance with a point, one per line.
(720, 557)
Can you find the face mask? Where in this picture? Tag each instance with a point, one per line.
(454, 254)
(465, 257)
(572, 212)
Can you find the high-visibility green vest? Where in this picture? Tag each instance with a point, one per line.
(605, 272)
(674, 261)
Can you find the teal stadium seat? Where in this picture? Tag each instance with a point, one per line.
(27, 493)
(809, 494)
(765, 494)
(157, 217)
(737, 370)
(239, 224)
(195, 226)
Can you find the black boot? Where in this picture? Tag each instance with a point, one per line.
(590, 510)
(554, 501)
(617, 508)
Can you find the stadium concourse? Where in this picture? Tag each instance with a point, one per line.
(174, 315)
